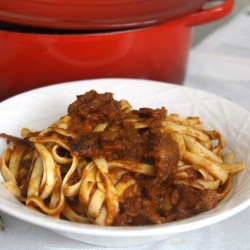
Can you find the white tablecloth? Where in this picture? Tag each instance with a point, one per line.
(220, 64)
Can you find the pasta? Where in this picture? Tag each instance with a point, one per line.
(107, 164)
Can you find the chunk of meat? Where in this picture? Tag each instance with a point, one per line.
(121, 140)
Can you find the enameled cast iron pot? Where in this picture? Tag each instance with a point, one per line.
(158, 52)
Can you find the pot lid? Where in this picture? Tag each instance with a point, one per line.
(94, 14)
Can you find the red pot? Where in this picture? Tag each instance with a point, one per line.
(158, 52)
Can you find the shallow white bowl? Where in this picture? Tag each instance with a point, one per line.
(37, 109)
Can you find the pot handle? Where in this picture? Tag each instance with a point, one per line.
(212, 14)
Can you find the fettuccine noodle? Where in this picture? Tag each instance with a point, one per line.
(48, 171)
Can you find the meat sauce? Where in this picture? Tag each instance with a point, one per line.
(156, 199)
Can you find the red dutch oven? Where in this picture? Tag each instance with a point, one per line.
(33, 58)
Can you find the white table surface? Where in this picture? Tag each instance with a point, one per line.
(213, 68)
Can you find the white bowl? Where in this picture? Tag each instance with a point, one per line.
(36, 110)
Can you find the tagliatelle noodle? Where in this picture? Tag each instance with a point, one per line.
(45, 174)
(199, 154)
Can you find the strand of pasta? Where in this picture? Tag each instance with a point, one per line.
(53, 183)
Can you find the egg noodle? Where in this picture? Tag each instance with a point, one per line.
(43, 171)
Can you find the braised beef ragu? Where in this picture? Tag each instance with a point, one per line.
(122, 141)
(148, 205)
(95, 108)
(108, 164)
